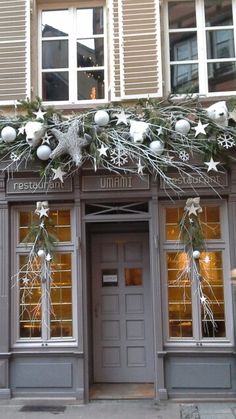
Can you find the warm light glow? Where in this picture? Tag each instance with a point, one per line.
(93, 93)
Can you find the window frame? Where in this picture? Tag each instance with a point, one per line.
(18, 249)
(201, 29)
(72, 65)
(212, 245)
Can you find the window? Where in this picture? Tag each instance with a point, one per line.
(186, 319)
(202, 46)
(44, 305)
(72, 55)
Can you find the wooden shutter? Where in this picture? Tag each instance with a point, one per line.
(136, 54)
(14, 50)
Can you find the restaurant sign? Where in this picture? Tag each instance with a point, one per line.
(195, 180)
(37, 185)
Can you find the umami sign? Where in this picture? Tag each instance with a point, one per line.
(114, 183)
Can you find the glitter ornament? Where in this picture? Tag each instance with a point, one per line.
(43, 152)
(182, 126)
(101, 118)
(8, 134)
(156, 147)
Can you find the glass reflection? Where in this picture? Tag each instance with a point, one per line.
(183, 46)
(184, 78)
(55, 23)
(89, 22)
(220, 44)
(222, 76)
(218, 13)
(90, 85)
(55, 86)
(182, 14)
(90, 53)
(55, 54)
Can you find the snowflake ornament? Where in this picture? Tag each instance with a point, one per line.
(119, 156)
(183, 155)
(226, 141)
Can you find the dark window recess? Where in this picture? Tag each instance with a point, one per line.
(116, 208)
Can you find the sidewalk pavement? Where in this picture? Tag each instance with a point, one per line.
(142, 409)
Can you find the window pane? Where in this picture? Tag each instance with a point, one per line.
(184, 78)
(183, 46)
(55, 23)
(61, 296)
(90, 85)
(179, 296)
(89, 22)
(210, 219)
(222, 76)
(133, 277)
(213, 288)
(55, 86)
(55, 54)
(218, 13)
(90, 53)
(29, 300)
(182, 14)
(173, 216)
(220, 44)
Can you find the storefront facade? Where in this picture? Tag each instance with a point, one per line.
(124, 297)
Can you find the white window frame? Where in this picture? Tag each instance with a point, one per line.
(18, 249)
(72, 65)
(202, 48)
(212, 245)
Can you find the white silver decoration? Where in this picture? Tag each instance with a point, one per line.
(196, 254)
(34, 132)
(43, 152)
(157, 147)
(101, 118)
(183, 155)
(41, 253)
(138, 130)
(8, 134)
(182, 126)
(226, 141)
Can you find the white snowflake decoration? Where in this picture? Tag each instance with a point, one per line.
(183, 155)
(225, 140)
(119, 156)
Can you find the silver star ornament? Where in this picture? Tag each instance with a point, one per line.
(70, 143)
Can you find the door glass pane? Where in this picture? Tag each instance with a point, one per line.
(179, 296)
(133, 277)
(182, 14)
(173, 215)
(218, 13)
(55, 54)
(55, 23)
(211, 270)
(210, 220)
(89, 22)
(55, 86)
(90, 85)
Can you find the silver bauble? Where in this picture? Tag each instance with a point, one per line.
(182, 126)
(156, 147)
(8, 134)
(43, 152)
(101, 118)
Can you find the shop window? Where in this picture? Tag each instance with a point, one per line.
(45, 310)
(202, 46)
(72, 54)
(186, 317)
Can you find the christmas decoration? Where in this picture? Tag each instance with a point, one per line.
(156, 147)
(182, 126)
(155, 137)
(43, 152)
(138, 130)
(8, 134)
(101, 118)
(70, 143)
(212, 165)
(34, 132)
(218, 112)
(196, 254)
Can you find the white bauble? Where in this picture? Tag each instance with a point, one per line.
(41, 253)
(101, 118)
(43, 152)
(182, 126)
(8, 134)
(196, 254)
(156, 147)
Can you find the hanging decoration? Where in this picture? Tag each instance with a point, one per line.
(37, 265)
(192, 237)
(152, 137)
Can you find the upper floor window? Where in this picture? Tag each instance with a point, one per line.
(202, 46)
(72, 55)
